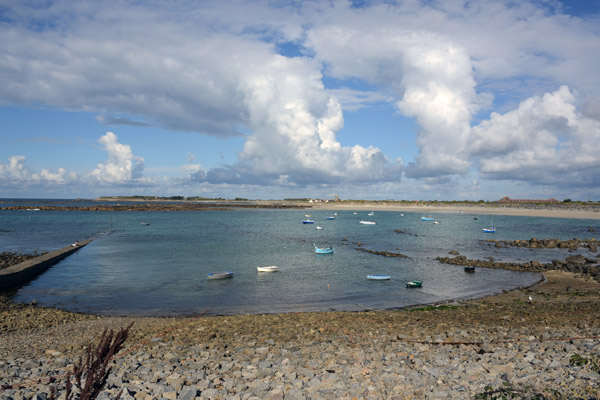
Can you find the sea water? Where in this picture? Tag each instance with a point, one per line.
(156, 263)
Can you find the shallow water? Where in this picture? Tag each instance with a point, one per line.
(161, 268)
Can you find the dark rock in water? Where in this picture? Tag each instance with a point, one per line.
(577, 259)
(398, 231)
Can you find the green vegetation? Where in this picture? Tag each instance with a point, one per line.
(593, 362)
(507, 392)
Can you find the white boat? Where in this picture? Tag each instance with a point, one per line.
(378, 277)
(371, 214)
(319, 228)
(267, 268)
(491, 229)
(436, 222)
(220, 275)
(367, 222)
(355, 213)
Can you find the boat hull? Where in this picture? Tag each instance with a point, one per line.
(270, 268)
(324, 250)
(378, 277)
(220, 275)
(414, 284)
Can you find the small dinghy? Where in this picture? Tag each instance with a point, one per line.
(469, 269)
(320, 228)
(267, 268)
(368, 222)
(323, 250)
(308, 221)
(378, 277)
(414, 284)
(220, 275)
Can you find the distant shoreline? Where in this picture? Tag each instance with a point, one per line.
(575, 210)
(548, 211)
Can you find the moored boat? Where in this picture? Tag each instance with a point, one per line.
(323, 250)
(368, 222)
(489, 230)
(267, 268)
(330, 217)
(378, 277)
(427, 219)
(308, 221)
(470, 269)
(414, 284)
(220, 275)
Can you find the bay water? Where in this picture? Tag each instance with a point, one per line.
(156, 263)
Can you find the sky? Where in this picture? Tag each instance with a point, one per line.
(405, 100)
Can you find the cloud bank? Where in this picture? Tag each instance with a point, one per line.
(219, 68)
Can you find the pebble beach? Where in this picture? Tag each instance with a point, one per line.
(522, 342)
(539, 342)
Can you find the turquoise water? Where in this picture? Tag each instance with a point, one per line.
(161, 268)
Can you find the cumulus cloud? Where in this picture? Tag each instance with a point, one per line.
(225, 78)
(122, 166)
(429, 74)
(546, 139)
(16, 172)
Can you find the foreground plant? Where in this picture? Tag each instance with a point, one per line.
(89, 376)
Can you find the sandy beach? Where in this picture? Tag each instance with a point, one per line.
(549, 211)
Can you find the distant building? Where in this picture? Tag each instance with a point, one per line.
(507, 199)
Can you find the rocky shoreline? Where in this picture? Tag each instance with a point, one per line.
(159, 207)
(8, 258)
(460, 350)
(539, 342)
(576, 263)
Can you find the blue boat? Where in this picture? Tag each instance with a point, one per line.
(427, 219)
(308, 221)
(323, 250)
(489, 230)
(330, 217)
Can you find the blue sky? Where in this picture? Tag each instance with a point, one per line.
(260, 99)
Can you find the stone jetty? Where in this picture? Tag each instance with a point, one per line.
(18, 274)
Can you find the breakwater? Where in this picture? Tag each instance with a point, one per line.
(17, 275)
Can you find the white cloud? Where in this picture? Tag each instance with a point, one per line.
(122, 167)
(546, 139)
(15, 170)
(17, 173)
(431, 59)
